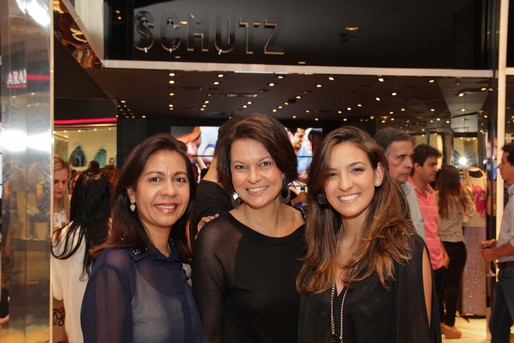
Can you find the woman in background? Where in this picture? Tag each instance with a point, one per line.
(71, 260)
(61, 215)
(138, 290)
(246, 260)
(455, 204)
(366, 276)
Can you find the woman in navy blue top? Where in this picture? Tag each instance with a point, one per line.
(138, 290)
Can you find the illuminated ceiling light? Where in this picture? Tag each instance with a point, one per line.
(402, 109)
(372, 117)
(339, 112)
(206, 102)
(298, 97)
(302, 62)
(331, 78)
(461, 94)
(394, 94)
(172, 94)
(171, 82)
(209, 94)
(485, 116)
(170, 105)
(249, 102)
(220, 75)
(279, 107)
(319, 85)
(316, 119)
(447, 122)
(122, 101)
(286, 103)
(271, 84)
(380, 79)
(483, 89)
(143, 116)
(345, 119)
(392, 119)
(171, 74)
(349, 108)
(274, 110)
(171, 108)
(280, 76)
(438, 119)
(431, 81)
(359, 105)
(117, 11)
(383, 121)
(391, 112)
(244, 106)
(216, 83)
(307, 111)
(202, 109)
(294, 117)
(184, 22)
(377, 98)
(352, 28)
(432, 109)
(463, 110)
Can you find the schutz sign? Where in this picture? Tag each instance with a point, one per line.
(291, 31)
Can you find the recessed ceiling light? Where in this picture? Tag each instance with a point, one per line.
(294, 117)
(171, 82)
(349, 108)
(377, 98)
(352, 28)
(172, 94)
(216, 83)
(394, 94)
(431, 81)
(302, 62)
(380, 79)
(331, 78)
(206, 102)
(274, 110)
(271, 84)
(220, 75)
(298, 97)
(319, 85)
(280, 76)
(171, 74)
(307, 111)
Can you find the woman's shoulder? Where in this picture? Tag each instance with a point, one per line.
(115, 258)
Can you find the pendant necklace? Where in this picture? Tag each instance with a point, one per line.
(336, 338)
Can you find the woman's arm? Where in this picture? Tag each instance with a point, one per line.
(106, 314)
(427, 283)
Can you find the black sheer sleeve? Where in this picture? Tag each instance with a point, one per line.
(106, 314)
(212, 273)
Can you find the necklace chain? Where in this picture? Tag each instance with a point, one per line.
(335, 338)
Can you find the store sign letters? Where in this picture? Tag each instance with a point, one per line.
(206, 33)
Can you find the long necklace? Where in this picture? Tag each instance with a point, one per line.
(335, 338)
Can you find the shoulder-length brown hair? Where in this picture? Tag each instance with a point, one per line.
(263, 129)
(386, 229)
(449, 190)
(127, 230)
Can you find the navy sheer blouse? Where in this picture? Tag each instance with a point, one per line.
(135, 296)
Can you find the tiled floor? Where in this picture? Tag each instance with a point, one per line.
(474, 330)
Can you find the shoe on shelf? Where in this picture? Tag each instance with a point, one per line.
(450, 332)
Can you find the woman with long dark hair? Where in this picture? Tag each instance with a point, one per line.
(138, 290)
(366, 276)
(71, 259)
(455, 204)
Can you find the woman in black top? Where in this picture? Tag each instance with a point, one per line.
(366, 276)
(246, 261)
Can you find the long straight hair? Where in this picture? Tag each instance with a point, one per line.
(450, 190)
(89, 215)
(385, 231)
(60, 164)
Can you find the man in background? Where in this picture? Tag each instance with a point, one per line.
(398, 149)
(502, 313)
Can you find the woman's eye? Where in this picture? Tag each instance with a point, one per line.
(154, 179)
(266, 163)
(357, 170)
(238, 167)
(181, 180)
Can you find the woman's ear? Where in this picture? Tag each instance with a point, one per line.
(379, 175)
(131, 195)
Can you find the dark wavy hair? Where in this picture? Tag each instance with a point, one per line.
(127, 230)
(89, 215)
(263, 129)
(385, 231)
